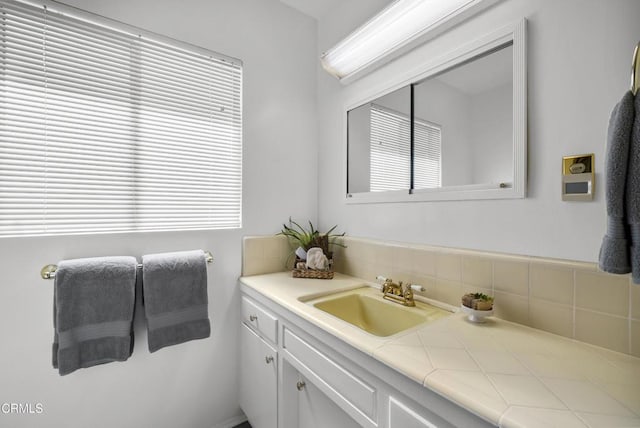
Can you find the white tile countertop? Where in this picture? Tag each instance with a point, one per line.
(509, 374)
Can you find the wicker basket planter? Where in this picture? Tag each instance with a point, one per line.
(312, 273)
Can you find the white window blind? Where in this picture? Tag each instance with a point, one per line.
(427, 149)
(390, 154)
(102, 130)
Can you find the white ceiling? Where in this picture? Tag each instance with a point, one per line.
(314, 8)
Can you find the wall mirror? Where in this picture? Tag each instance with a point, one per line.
(455, 131)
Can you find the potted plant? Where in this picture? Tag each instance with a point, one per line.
(306, 238)
(311, 237)
(477, 306)
(478, 301)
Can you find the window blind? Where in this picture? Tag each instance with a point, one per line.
(390, 151)
(103, 130)
(427, 149)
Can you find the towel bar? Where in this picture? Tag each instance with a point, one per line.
(49, 271)
(635, 70)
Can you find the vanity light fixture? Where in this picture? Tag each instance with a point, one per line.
(398, 28)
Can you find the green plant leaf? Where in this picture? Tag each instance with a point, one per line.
(306, 238)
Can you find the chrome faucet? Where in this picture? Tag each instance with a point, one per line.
(398, 293)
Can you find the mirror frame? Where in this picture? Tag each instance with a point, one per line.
(513, 33)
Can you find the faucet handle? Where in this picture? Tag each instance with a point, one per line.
(386, 283)
(416, 287)
(407, 291)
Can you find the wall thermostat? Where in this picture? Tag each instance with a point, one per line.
(578, 177)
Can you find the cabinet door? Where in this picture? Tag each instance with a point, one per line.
(258, 380)
(316, 410)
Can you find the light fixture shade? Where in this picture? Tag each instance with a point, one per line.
(399, 27)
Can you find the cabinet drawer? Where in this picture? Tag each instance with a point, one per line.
(259, 319)
(345, 385)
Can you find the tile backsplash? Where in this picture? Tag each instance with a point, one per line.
(265, 254)
(572, 299)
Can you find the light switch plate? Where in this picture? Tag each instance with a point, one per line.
(578, 177)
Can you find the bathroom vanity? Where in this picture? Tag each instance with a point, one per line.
(296, 373)
(302, 367)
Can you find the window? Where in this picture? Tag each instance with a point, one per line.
(390, 151)
(105, 130)
(426, 157)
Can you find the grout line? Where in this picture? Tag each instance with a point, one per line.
(607, 314)
(540, 378)
(529, 281)
(575, 297)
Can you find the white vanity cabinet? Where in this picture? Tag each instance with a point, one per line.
(258, 366)
(316, 380)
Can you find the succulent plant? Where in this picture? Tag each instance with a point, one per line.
(478, 301)
(483, 297)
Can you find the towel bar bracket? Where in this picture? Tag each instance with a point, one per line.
(49, 271)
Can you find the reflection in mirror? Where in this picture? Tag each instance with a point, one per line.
(470, 108)
(379, 144)
(454, 133)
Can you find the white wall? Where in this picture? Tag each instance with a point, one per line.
(492, 131)
(579, 56)
(194, 384)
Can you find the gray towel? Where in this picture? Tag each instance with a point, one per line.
(614, 252)
(93, 312)
(632, 198)
(175, 297)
